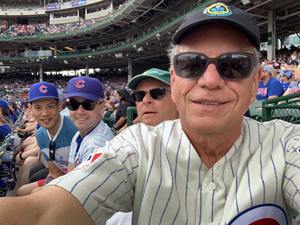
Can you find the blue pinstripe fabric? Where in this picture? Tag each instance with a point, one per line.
(157, 173)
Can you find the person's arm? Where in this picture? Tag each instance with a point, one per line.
(44, 207)
(136, 120)
(287, 91)
(54, 172)
(28, 129)
(120, 122)
(273, 96)
(123, 117)
(25, 154)
(70, 167)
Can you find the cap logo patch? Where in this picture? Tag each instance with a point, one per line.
(80, 83)
(43, 89)
(218, 9)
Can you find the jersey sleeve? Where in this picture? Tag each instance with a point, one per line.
(117, 163)
(291, 182)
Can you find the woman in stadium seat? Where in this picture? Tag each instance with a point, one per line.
(126, 101)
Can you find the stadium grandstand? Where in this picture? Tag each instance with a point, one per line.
(128, 36)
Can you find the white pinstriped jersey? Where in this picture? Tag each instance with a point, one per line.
(94, 139)
(157, 173)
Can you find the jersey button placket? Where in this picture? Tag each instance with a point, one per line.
(212, 186)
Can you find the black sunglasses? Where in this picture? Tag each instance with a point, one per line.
(155, 93)
(276, 67)
(231, 66)
(52, 150)
(87, 105)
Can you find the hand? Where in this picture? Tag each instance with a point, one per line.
(19, 160)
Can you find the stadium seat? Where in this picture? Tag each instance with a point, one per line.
(256, 110)
(130, 115)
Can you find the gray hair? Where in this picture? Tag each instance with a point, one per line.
(172, 50)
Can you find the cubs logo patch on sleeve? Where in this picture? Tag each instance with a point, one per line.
(267, 214)
(92, 158)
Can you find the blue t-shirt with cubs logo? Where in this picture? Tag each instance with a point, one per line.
(273, 87)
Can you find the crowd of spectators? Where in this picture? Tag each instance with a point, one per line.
(19, 84)
(20, 7)
(59, 16)
(19, 30)
(89, 11)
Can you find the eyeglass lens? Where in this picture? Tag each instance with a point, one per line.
(87, 105)
(231, 66)
(155, 93)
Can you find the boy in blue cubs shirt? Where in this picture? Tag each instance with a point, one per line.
(55, 135)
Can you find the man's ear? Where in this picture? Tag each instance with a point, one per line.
(256, 80)
(102, 107)
(60, 105)
(172, 82)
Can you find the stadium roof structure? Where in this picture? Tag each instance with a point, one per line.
(148, 49)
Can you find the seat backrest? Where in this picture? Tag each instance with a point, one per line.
(256, 109)
(130, 115)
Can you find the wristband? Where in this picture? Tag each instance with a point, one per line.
(20, 156)
(115, 128)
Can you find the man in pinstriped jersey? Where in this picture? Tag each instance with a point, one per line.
(212, 166)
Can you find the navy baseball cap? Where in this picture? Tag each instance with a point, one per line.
(220, 13)
(42, 90)
(293, 62)
(3, 104)
(85, 87)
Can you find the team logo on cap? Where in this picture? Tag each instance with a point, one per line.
(43, 89)
(80, 83)
(218, 9)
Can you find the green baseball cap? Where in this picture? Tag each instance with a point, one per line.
(162, 75)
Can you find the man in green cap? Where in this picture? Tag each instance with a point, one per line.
(152, 94)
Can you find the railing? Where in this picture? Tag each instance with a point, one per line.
(285, 108)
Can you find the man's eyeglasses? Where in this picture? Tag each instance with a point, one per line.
(231, 66)
(276, 67)
(52, 150)
(87, 105)
(155, 93)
